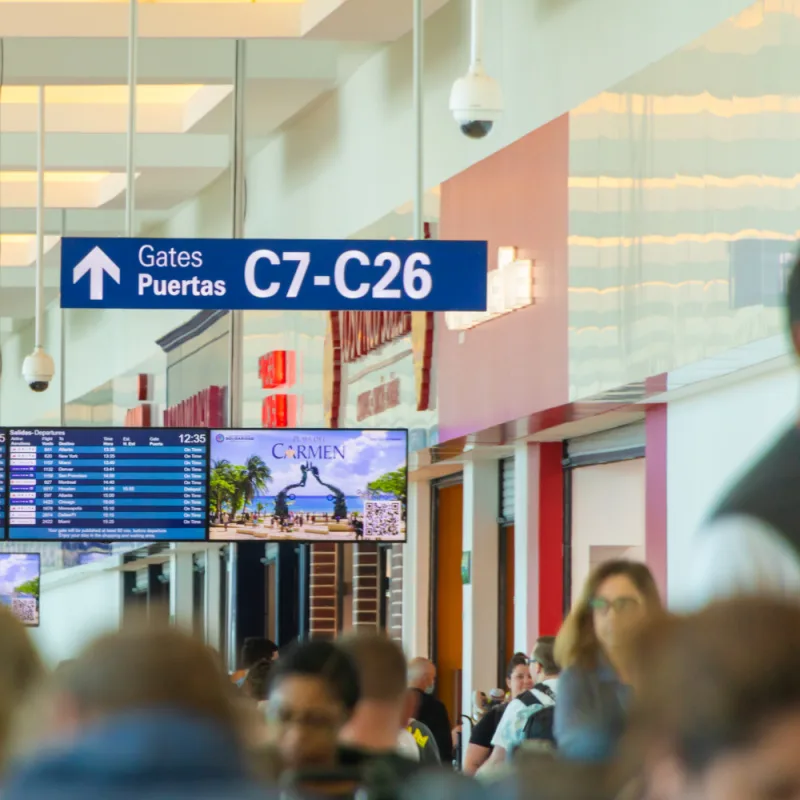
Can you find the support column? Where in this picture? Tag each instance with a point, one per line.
(526, 546)
(366, 587)
(214, 567)
(181, 584)
(395, 621)
(481, 541)
(538, 542)
(417, 571)
(323, 591)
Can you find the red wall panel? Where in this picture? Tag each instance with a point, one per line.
(516, 364)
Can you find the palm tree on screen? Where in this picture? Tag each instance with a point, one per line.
(256, 478)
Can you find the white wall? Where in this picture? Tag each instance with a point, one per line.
(76, 605)
(348, 161)
(711, 438)
(608, 516)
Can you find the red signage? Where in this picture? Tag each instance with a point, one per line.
(206, 409)
(277, 369)
(279, 411)
(379, 399)
(365, 331)
(139, 417)
(144, 386)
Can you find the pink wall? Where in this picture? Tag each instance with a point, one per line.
(517, 364)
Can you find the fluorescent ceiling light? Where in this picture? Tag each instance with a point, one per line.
(29, 176)
(169, 108)
(61, 189)
(166, 94)
(169, 2)
(19, 249)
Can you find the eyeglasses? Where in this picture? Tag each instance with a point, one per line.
(310, 719)
(621, 605)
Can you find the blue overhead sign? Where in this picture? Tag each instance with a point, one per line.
(301, 275)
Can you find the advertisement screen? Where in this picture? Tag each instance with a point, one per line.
(19, 585)
(108, 484)
(308, 485)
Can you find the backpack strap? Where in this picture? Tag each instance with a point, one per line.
(545, 690)
(528, 698)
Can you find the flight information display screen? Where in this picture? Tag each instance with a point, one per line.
(3, 496)
(108, 484)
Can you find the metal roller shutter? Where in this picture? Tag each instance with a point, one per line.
(616, 444)
(507, 490)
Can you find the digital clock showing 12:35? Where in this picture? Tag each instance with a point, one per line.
(193, 438)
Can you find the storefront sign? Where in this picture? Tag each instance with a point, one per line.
(276, 369)
(352, 337)
(383, 397)
(362, 333)
(509, 288)
(206, 409)
(279, 411)
(139, 417)
(313, 275)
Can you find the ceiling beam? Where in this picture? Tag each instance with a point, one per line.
(162, 61)
(361, 20)
(106, 151)
(156, 20)
(75, 221)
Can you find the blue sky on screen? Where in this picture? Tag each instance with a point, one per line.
(16, 569)
(367, 455)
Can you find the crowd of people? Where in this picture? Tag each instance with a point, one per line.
(627, 703)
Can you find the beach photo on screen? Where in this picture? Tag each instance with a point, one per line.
(307, 485)
(19, 585)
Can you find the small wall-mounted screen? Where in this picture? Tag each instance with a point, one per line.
(19, 585)
(308, 485)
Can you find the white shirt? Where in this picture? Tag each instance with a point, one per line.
(407, 745)
(736, 555)
(511, 730)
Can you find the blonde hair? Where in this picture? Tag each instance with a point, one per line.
(576, 643)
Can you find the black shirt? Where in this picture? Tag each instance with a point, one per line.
(432, 712)
(393, 764)
(770, 490)
(483, 732)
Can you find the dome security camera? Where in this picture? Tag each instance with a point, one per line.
(476, 102)
(38, 370)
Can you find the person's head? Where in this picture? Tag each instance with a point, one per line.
(518, 675)
(255, 682)
(21, 676)
(385, 705)
(138, 669)
(312, 691)
(257, 648)
(717, 715)
(617, 597)
(543, 659)
(421, 674)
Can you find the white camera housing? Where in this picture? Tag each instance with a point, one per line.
(38, 370)
(476, 102)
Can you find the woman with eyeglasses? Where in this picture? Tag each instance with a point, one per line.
(594, 690)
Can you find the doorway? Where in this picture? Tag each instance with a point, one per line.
(447, 594)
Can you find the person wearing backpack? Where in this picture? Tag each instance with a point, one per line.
(531, 714)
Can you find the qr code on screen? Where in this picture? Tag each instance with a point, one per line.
(25, 609)
(383, 519)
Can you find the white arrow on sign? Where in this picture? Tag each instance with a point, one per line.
(95, 263)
